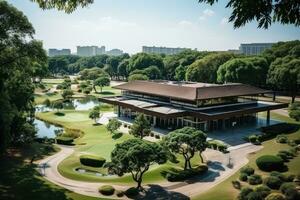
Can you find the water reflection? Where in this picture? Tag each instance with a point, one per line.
(46, 130)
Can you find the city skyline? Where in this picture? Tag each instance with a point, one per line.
(148, 24)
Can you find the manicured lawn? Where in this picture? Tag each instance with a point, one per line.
(97, 140)
(225, 190)
(20, 180)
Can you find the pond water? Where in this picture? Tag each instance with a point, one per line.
(86, 103)
(45, 129)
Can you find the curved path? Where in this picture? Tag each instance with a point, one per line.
(218, 172)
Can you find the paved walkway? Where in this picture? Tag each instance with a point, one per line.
(218, 172)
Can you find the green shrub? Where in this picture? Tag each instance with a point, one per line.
(119, 193)
(263, 190)
(254, 179)
(278, 175)
(157, 136)
(253, 139)
(285, 186)
(254, 196)
(281, 139)
(132, 192)
(92, 160)
(281, 128)
(222, 148)
(247, 170)
(297, 140)
(243, 177)
(245, 191)
(273, 182)
(186, 174)
(64, 140)
(283, 156)
(270, 163)
(275, 196)
(292, 194)
(107, 190)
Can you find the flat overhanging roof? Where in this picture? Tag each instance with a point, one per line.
(209, 113)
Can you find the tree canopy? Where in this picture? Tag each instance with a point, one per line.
(186, 141)
(21, 58)
(135, 156)
(113, 125)
(140, 126)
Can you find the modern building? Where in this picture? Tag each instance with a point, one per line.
(58, 52)
(115, 52)
(90, 50)
(254, 48)
(205, 106)
(162, 50)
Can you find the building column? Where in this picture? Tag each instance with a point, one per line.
(154, 121)
(268, 117)
(223, 124)
(119, 111)
(274, 96)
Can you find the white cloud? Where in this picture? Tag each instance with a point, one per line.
(206, 14)
(224, 21)
(185, 23)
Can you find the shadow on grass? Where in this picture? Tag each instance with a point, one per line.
(106, 93)
(59, 114)
(159, 193)
(97, 124)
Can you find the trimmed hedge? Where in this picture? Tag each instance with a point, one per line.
(281, 139)
(254, 179)
(270, 163)
(286, 186)
(64, 140)
(243, 177)
(275, 196)
(119, 193)
(107, 190)
(272, 131)
(92, 160)
(273, 182)
(186, 174)
(263, 190)
(247, 170)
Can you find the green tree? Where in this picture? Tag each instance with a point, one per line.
(20, 59)
(135, 156)
(95, 115)
(294, 111)
(58, 105)
(180, 73)
(113, 125)
(92, 74)
(186, 141)
(205, 69)
(284, 74)
(152, 72)
(122, 68)
(101, 82)
(135, 77)
(144, 60)
(140, 126)
(263, 11)
(67, 94)
(251, 71)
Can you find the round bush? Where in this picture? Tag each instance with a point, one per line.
(107, 190)
(132, 192)
(292, 194)
(243, 177)
(269, 163)
(281, 139)
(247, 170)
(244, 192)
(254, 179)
(279, 175)
(254, 196)
(64, 140)
(275, 196)
(263, 190)
(273, 182)
(119, 193)
(285, 186)
(92, 160)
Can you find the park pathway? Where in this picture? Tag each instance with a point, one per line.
(218, 172)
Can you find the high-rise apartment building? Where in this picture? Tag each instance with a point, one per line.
(58, 52)
(254, 48)
(162, 50)
(115, 52)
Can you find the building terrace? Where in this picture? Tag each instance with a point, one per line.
(205, 106)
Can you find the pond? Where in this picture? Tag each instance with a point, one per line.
(45, 129)
(85, 103)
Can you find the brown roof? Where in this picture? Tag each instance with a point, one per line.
(190, 91)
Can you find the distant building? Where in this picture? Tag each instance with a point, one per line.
(58, 52)
(87, 50)
(254, 48)
(100, 50)
(115, 52)
(234, 51)
(162, 50)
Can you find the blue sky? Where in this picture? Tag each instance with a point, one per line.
(130, 24)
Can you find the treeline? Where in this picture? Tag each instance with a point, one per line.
(277, 68)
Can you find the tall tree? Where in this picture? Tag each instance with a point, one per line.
(113, 125)
(263, 11)
(186, 141)
(101, 82)
(20, 59)
(135, 156)
(140, 126)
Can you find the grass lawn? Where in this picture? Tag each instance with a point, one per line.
(20, 180)
(97, 140)
(225, 190)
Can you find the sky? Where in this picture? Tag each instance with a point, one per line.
(130, 24)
